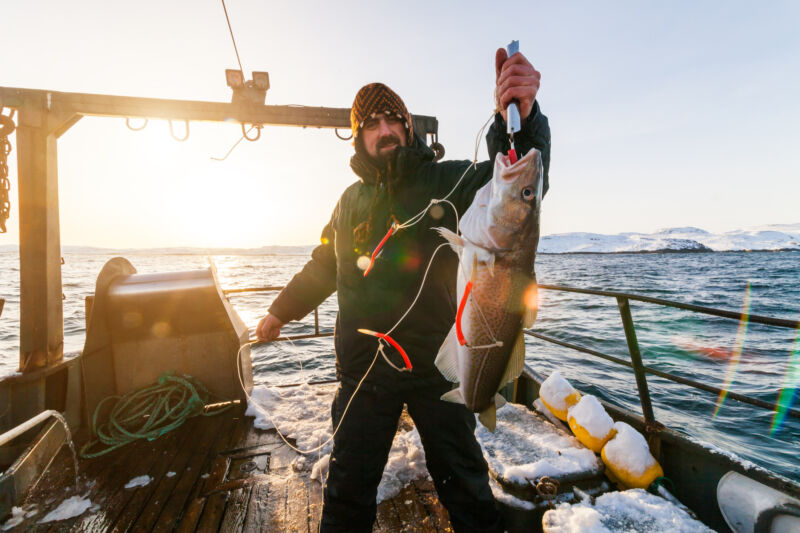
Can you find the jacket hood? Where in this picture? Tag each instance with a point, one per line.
(406, 160)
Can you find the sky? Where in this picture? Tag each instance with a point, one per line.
(662, 114)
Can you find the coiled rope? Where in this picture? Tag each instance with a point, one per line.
(149, 412)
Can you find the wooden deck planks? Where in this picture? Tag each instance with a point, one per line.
(226, 500)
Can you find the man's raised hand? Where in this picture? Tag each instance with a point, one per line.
(516, 80)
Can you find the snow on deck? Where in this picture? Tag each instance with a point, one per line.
(302, 413)
(525, 446)
(631, 510)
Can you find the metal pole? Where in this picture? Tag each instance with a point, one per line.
(636, 359)
(316, 321)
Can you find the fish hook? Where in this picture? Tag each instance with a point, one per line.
(258, 132)
(172, 132)
(336, 131)
(140, 128)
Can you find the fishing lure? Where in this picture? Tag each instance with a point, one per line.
(394, 343)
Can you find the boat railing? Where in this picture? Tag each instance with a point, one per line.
(317, 333)
(640, 370)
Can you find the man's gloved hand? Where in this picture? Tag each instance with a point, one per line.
(269, 328)
(516, 80)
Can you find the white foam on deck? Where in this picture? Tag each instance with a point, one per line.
(139, 481)
(18, 514)
(69, 508)
(302, 413)
(631, 510)
(525, 447)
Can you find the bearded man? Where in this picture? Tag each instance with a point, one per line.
(397, 179)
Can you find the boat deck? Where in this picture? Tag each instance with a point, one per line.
(215, 473)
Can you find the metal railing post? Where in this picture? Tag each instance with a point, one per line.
(316, 321)
(636, 359)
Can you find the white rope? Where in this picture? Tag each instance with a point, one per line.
(410, 222)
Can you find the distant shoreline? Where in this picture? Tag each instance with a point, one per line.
(145, 251)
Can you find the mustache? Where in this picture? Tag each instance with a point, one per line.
(387, 141)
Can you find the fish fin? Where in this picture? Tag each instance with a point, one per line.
(490, 264)
(456, 242)
(516, 362)
(447, 358)
(453, 396)
(488, 417)
(499, 400)
(529, 315)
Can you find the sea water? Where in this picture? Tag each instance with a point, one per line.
(688, 344)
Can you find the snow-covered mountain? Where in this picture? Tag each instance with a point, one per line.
(689, 239)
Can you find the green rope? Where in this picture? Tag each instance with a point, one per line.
(148, 413)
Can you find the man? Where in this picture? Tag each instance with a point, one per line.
(398, 178)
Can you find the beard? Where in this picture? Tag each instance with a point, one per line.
(385, 157)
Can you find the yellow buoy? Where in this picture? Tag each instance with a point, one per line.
(558, 395)
(590, 423)
(628, 459)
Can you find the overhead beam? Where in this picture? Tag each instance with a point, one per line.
(156, 108)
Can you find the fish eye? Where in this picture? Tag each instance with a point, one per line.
(527, 194)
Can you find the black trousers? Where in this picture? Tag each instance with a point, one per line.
(361, 448)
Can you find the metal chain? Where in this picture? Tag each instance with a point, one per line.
(7, 127)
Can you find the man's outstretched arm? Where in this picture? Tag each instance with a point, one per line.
(307, 289)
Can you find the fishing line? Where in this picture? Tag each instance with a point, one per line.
(416, 218)
(235, 49)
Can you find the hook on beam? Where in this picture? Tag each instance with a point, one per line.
(140, 128)
(172, 132)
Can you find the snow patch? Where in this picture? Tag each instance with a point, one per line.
(139, 481)
(628, 450)
(555, 390)
(591, 415)
(631, 510)
(18, 514)
(69, 508)
(302, 413)
(525, 447)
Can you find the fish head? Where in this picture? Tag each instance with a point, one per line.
(516, 198)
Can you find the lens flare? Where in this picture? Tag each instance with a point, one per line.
(790, 382)
(736, 354)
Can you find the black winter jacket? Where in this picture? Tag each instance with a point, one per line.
(377, 302)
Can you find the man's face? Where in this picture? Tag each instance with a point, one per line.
(382, 134)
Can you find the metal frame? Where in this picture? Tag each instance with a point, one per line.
(623, 302)
(43, 117)
(639, 369)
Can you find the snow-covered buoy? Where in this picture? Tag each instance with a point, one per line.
(558, 395)
(590, 423)
(628, 458)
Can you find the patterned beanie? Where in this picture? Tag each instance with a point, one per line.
(375, 98)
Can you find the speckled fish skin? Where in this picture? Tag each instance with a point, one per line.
(500, 233)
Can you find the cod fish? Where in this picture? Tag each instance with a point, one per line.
(497, 249)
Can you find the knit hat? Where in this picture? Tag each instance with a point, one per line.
(375, 98)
